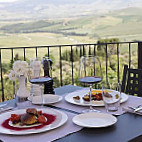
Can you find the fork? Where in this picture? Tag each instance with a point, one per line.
(3, 105)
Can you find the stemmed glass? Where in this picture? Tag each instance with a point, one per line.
(35, 78)
(90, 73)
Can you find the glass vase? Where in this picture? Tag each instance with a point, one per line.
(22, 93)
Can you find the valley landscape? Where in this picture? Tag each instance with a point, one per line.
(46, 23)
(26, 23)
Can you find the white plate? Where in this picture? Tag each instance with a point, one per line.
(81, 93)
(48, 99)
(61, 118)
(94, 120)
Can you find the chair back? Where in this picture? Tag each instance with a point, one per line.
(132, 81)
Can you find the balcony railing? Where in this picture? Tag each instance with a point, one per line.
(108, 53)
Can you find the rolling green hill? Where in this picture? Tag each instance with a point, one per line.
(123, 24)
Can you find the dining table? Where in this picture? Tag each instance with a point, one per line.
(127, 128)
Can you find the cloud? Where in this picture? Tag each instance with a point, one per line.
(3, 1)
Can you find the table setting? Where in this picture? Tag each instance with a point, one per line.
(61, 126)
(54, 116)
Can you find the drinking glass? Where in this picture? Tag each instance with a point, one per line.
(36, 79)
(35, 70)
(111, 98)
(90, 73)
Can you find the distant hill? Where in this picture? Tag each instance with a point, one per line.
(121, 23)
(47, 9)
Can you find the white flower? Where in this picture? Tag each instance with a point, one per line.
(24, 64)
(19, 68)
(12, 75)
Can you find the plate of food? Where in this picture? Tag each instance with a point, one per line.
(31, 120)
(47, 99)
(82, 97)
(94, 120)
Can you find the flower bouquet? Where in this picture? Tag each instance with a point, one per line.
(20, 70)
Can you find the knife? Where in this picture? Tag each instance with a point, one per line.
(6, 109)
(137, 109)
(60, 108)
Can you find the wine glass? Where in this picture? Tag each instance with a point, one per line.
(90, 73)
(34, 71)
(36, 79)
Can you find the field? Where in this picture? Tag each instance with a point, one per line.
(124, 25)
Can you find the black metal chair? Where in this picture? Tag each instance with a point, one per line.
(132, 81)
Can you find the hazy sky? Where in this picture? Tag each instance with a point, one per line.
(8, 0)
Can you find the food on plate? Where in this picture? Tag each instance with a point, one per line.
(86, 98)
(28, 119)
(41, 119)
(108, 95)
(76, 98)
(32, 116)
(15, 118)
(95, 92)
(116, 96)
(32, 111)
(94, 97)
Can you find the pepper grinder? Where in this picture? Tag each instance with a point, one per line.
(47, 67)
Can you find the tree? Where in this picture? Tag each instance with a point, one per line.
(111, 49)
(67, 56)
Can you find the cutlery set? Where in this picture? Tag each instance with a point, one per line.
(137, 108)
(131, 109)
(5, 107)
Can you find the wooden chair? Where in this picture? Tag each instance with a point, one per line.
(132, 81)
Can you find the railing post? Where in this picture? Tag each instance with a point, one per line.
(24, 55)
(118, 63)
(72, 65)
(36, 51)
(107, 66)
(12, 59)
(130, 55)
(60, 66)
(2, 86)
(94, 50)
(140, 55)
(48, 50)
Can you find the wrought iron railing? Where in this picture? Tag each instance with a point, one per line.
(8, 54)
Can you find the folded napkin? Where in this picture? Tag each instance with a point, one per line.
(126, 109)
